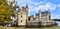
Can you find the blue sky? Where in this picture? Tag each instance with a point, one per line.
(36, 5)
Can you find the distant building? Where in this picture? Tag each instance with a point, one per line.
(41, 19)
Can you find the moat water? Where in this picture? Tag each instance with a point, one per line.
(58, 22)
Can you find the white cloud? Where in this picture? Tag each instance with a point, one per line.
(55, 16)
(46, 6)
(36, 6)
(58, 5)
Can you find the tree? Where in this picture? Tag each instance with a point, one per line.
(6, 11)
(3, 5)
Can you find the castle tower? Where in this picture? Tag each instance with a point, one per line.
(22, 16)
(44, 16)
(39, 15)
(48, 15)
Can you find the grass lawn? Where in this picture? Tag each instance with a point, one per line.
(3, 27)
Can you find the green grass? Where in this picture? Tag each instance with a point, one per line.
(3, 27)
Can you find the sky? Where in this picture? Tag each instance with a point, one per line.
(36, 5)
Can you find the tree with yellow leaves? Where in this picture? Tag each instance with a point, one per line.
(6, 11)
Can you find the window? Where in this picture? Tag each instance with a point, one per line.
(21, 20)
(21, 15)
(29, 18)
(34, 18)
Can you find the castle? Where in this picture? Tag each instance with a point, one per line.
(41, 19)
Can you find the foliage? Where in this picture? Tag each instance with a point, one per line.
(5, 11)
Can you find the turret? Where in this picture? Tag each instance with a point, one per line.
(39, 17)
(26, 6)
(49, 14)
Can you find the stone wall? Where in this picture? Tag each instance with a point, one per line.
(33, 24)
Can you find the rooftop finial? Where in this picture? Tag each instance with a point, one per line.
(26, 6)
